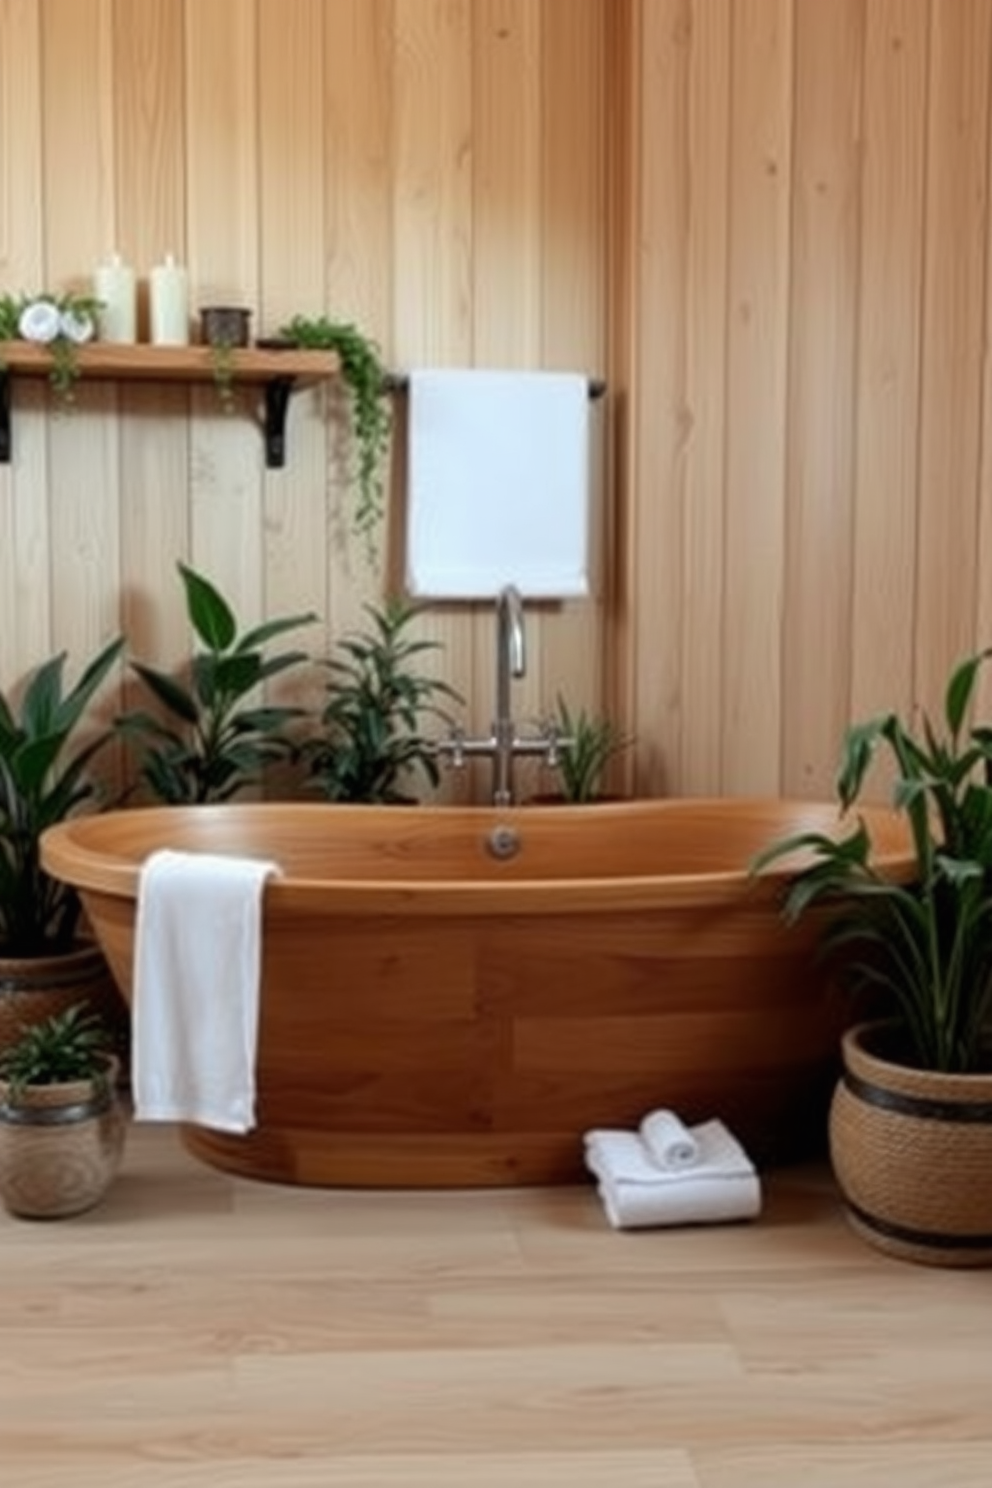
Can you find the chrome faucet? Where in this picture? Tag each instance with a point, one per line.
(511, 661)
(504, 743)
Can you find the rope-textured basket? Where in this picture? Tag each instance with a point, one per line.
(912, 1154)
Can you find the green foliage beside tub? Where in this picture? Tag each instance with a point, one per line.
(588, 742)
(44, 777)
(922, 949)
(371, 743)
(71, 1045)
(216, 736)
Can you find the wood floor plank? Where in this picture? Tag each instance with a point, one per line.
(200, 1329)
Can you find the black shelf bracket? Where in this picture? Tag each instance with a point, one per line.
(5, 449)
(277, 395)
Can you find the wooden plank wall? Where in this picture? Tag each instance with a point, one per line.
(808, 254)
(432, 169)
(767, 221)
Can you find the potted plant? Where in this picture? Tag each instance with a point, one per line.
(371, 743)
(587, 743)
(911, 1119)
(60, 323)
(217, 736)
(371, 414)
(46, 963)
(62, 1126)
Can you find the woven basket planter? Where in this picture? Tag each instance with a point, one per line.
(60, 1146)
(912, 1154)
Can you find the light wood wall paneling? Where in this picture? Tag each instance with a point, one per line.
(701, 662)
(508, 234)
(573, 302)
(359, 245)
(956, 227)
(823, 290)
(78, 203)
(25, 532)
(754, 577)
(658, 392)
(433, 240)
(888, 375)
(223, 209)
(149, 222)
(292, 85)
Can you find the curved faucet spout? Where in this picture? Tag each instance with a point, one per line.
(510, 626)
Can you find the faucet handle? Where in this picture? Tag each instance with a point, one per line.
(553, 740)
(455, 746)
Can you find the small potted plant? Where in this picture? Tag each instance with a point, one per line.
(59, 323)
(911, 1120)
(62, 1126)
(46, 963)
(587, 744)
(371, 743)
(217, 736)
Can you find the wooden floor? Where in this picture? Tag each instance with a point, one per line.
(198, 1330)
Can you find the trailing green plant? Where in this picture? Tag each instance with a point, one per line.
(217, 737)
(372, 742)
(222, 365)
(587, 742)
(364, 376)
(44, 779)
(70, 1045)
(921, 949)
(59, 323)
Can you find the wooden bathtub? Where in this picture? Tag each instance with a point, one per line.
(452, 996)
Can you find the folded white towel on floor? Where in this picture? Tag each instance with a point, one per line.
(196, 988)
(637, 1193)
(670, 1143)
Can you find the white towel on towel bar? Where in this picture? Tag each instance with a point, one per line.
(196, 988)
(499, 484)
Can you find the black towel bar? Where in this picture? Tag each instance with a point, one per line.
(398, 382)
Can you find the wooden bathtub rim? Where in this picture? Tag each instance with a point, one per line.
(67, 853)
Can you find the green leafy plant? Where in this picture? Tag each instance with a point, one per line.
(60, 323)
(217, 738)
(43, 779)
(364, 376)
(587, 744)
(66, 1046)
(924, 948)
(372, 741)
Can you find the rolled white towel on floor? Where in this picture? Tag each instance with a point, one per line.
(637, 1193)
(669, 1141)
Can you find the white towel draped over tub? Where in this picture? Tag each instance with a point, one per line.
(499, 484)
(196, 988)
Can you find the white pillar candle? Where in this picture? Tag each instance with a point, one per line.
(169, 304)
(114, 286)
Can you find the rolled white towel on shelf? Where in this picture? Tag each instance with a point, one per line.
(669, 1141)
(637, 1193)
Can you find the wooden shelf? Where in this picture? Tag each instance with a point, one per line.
(279, 371)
